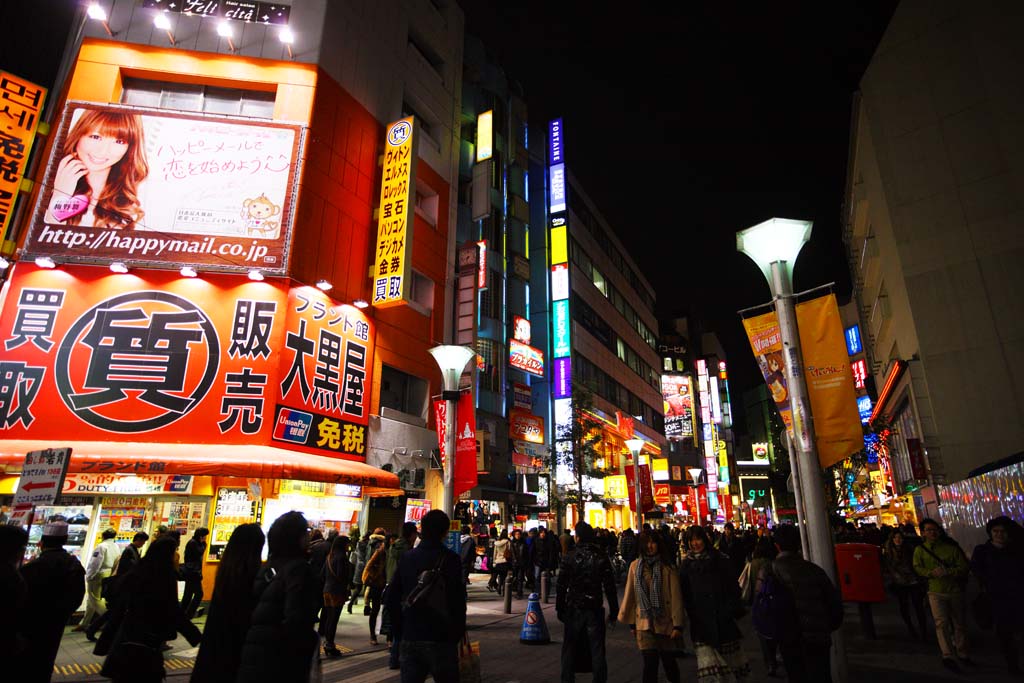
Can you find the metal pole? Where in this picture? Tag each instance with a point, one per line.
(801, 515)
(809, 477)
(449, 460)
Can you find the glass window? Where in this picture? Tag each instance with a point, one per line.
(679, 365)
(599, 282)
(403, 392)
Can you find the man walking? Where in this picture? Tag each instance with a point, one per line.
(819, 610)
(427, 600)
(584, 574)
(192, 572)
(129, 558)
(101, 565)
(396, 552)
(56, 586)
(943, 563)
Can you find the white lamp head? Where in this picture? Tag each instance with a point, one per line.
(777, 239)
(694, 473)
(634, 445)
(452, 361)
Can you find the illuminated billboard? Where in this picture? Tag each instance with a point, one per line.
(526, 358)
(392, 261)
(563, 377)
(853, 342)
(23, 103)
(557, 189)
(559, 281)
(560, 320)
(485, 136)
(167, 189)
(864, 407)
(677, 392)
(859, 368)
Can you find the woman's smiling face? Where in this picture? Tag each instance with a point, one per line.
(99, 152)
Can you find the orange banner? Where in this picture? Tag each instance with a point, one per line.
(156, 357)
(837, 425)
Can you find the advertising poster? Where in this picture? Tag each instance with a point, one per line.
(646, 487)
(415, 508)
(830, 385)
(526, 358)
(167, 188)
(156, 357)
(22, 105)
(766, 342)
(525, 426)
(392, 279)
(678, 395)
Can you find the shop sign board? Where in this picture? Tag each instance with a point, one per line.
(22, 104)
(392, 277)
(522, 396)
(275, 14)
(465, 474)
(521, 329)
(677, 392)
(415, 508)
(563, 377)
(526, 358)
(615, 486)
(185, 189)
(42, 476)
(135, 484)
(562, 325)
(158, 357)
(662, 494)
(525, 426)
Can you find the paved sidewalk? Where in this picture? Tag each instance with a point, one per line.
(893, 656)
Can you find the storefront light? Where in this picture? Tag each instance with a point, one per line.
(256, 276)
(323, 285)
(45, 262)
(361, 303)
(188, 271)
(118, 267)
(4, 263)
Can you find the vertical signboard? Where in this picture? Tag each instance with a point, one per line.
(20, 105)
(559, 263)
(392, 279)
(485, 135)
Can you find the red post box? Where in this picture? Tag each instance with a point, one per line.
(859, 566)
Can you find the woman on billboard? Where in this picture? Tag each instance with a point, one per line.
(97, 181)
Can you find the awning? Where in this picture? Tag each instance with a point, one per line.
(217, 460)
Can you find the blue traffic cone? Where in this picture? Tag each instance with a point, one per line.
(535, 629)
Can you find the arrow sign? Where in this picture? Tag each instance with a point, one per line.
(42, 476)
(33, 485)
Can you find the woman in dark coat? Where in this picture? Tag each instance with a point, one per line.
(711, 595)
(281, 643)
(999, 566)
(231, 607)
(337, 583)
(146, 617)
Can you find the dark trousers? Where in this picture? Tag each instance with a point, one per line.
(807, 662)
(911, 598)
(373, 600)
(395, 652)
(1005, 635)
(357, 590)
(769, 648)
(193, 594)
(585, 625)
(329, 623)
(668, 660)
(420, 657)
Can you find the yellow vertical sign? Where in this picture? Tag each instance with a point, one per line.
(392, 278)
(485, 136)
(21, 103)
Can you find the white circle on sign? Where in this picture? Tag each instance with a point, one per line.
(399, 133)
(531, 618)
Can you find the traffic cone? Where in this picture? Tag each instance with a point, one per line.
(535, 629)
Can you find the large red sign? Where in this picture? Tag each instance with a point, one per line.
(157, 357)
(465, 474)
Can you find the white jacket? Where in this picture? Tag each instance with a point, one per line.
(102, 561)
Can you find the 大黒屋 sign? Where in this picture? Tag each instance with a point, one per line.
(171, 189)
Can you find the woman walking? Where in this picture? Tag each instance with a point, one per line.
(281, 644)
(903, 581)
(231, 606)
(337, 579)
(999, 566)
(712, 599)
(653, 608)
(502, 555)
(375, 578)
(357, 558)
(761, 560)
(148, 616)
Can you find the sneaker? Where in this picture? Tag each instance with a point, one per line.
(951, 665)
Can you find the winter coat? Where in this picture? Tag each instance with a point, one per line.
(13, 596)
(318, 551)
(421, 624)
(584, 574)
(395, 552)
(944, 554)
(337, 574)
(711, 597)
(281, 642)
(627, 546)
(819, 604)
(192, 567)
(500, 546)
(898, 564)
(1001, 573)
(56, 585)
(220, 654)
(374, 571)
(518, 552)
(673, 610)
(358, 558)
(544, 552)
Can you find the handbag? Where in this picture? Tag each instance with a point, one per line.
(132, 661)
(469, 660)
(746, 585)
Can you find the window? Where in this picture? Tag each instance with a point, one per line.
(427, 54)
(403, 392)
(599, 282)
(426, 203)
(490, 374)
(679, 365)
(667, 364)
(201, 98)
(422, 292)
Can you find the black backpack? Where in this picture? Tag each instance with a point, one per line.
(430, 592)
(774, 612)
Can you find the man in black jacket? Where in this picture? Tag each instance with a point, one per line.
(56, 586)
(429, 636)
(585, 574)
(192, 572)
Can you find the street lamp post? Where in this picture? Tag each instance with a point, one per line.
(694, 473)
(452, 361)
(634, 446)
(774, 246)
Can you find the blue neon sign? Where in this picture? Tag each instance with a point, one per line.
(563, 347)
(853, 343)
(864, 408)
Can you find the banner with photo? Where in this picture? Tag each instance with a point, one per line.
(677, 392)
(766, 342)
(167, 188)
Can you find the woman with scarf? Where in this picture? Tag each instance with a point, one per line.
(653, 608)
(712, 598)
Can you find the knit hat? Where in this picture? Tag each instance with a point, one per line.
(56, 529)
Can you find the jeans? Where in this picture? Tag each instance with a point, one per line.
(584, 625)
(948, 613)
(807, 662)
(421, 657)
(394, 652)
(192, 595)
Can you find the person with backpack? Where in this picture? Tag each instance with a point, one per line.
(798, 606)
(764, 553)
(944, 565)
(397, 550)
(427, 600)
(712, 599)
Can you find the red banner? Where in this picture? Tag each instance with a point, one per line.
(646, 491)
(465, 440)
(157, 357)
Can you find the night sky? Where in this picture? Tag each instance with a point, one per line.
(686, 121)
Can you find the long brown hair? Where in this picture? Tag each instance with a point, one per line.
(118, 203)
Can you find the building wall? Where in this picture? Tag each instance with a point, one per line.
(937, 181)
